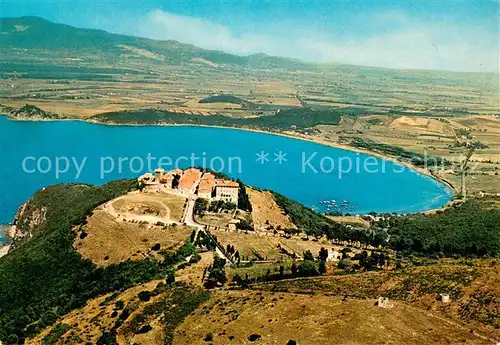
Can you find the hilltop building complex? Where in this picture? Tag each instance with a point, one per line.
(192, 181)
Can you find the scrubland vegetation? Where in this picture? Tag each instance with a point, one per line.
(282, 120)
(44, 277)
(126, 80)
(465, 229)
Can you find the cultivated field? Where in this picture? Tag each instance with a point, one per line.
(220, 220)
(259, 269)
(434, 136)
(351, 220)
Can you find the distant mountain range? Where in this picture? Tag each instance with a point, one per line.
(55, 41)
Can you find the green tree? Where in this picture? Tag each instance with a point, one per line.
(323, 254)
(322, 267)
(345, 252)
(217, 273)
(363, 258)
(243, 199)
(282, 270)
(308, 256)
(346, 265)
(12, 339)
(200, 206)
(308, 268)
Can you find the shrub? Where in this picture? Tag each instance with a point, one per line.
(308, 268)
(345, 264)
(144, 329)
(208, 337)
(144, 296)
(322, 267)
(254, 337)
(195, 258)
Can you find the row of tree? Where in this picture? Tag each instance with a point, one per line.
(243, 199)
(216, 273)
(201, 206)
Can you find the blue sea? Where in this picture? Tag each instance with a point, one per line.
(3, 238)
(316, 175)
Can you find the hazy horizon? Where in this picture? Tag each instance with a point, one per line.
(448, 36)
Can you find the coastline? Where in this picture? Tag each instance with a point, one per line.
(4, 247)
(450, 187)
(4, 250)
(314, 140)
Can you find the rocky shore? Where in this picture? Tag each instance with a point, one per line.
(4, 235)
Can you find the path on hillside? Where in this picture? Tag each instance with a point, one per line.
(149, 218)
(187, 218)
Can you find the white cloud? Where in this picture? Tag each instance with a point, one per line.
(413, 49)
(202, 33)
(408, 43)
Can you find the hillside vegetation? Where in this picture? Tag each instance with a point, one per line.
(31, 112)
(145, 312)
(472, 286)
(44, 277)
(39, 34)
(402, 154)
(225, 99)
(286, 119)
(466, 229)
(280, 317)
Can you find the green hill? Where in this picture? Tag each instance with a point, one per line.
(227, 99)
(44, 277)
(59, 40)
(296, 119)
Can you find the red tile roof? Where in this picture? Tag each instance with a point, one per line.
(226, 183)
(189, 178)
(206, 185)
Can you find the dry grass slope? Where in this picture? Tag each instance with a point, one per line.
(266, 212)
(99, 315)
(473, 286)
(109, 240)
(232, 316)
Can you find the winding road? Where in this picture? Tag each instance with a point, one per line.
(190, 221)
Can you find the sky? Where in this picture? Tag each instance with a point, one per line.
(456, 35)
